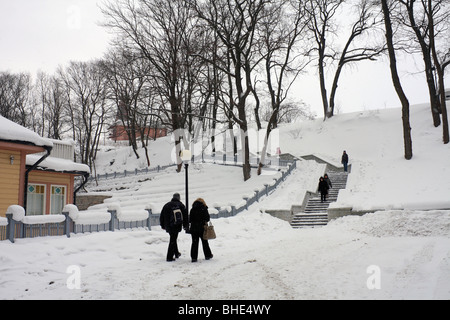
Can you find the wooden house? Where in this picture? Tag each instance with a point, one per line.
(33, 172)
(51, 184)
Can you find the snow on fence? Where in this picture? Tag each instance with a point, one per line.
(17, 225)
(127, 173)
(248, 200)
(3, 226)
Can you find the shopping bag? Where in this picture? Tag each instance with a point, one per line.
(209, 232)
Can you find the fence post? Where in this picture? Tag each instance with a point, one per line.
(246, 202)
(11, 227)
(218, 212)
(149, 219)
(267, 189)
(67, 224)
(112, 222)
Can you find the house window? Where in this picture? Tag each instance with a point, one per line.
(35, 199)
(57, 199)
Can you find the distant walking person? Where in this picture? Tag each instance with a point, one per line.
(323, 189)
(344, 160)
(327, 179)
(173, 217)
(198, 217)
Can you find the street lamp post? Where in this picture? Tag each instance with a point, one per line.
(185, 155)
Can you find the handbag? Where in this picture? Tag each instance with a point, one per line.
(209, 232)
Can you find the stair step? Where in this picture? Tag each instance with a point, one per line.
(309, 220)
(302, 215)
(315, 211)
(309, 225)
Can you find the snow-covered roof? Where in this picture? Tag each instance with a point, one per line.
(11, 131)
(57, 164)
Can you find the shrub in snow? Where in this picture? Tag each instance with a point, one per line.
(17, 211)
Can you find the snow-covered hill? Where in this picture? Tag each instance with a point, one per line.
(389, 254)
(381, 178)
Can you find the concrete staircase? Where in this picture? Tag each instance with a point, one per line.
(315, 213)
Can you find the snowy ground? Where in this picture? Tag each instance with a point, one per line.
(391, 254)
(256, 256)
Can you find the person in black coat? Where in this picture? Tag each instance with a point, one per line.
(166, 221)
(323, 189)
(198, 217)
(327, 179)
(344, 160)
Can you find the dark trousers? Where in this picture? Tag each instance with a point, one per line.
(323, 196)
(196, 237)
(172, 251)
(345, 166)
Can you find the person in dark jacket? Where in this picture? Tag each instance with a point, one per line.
(198, 217)
(323, 189)
(166, 220)
(344, 160)
(327, 179)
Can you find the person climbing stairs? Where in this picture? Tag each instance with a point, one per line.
(315, 212)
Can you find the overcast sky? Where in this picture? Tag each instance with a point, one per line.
(43, 34)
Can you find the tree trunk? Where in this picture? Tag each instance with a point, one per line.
(427, 57)
(323, 89)
(270, 126)
(440, 72)
(396, 81)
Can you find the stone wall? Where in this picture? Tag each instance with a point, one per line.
(85, 200)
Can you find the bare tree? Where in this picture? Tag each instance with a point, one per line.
(279, 32)
(438, 12)
(323, 25)
(417, 19)
(127, 80)
(55, 109)
(49, 102)
(15, 92)
(160, 31)
(235, 23)
(387, 7)
(87, 108)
